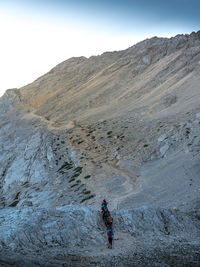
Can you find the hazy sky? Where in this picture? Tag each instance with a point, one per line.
(37, 35)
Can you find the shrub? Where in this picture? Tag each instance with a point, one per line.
(75, 175)
(87, 176)
(71, 180)
(14, 204)
(87, 198)
(66, 165)
(87, 192)
(17, 195)
(78, 169)
(73, 185)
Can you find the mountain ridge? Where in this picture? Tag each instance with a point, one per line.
(101, 79)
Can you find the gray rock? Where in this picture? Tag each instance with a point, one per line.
(72, 229)
(9, 100)
(163, 150)
(146, 59)
(198, 115)
(162, 137)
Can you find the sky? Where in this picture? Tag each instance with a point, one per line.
(36, 35)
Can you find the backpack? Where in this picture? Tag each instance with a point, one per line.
(104, 210)
(103, 207)
(110, 233)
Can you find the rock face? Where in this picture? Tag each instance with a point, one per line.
(74, 235)
(124, 126)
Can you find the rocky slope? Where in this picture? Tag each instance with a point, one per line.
(124, 126)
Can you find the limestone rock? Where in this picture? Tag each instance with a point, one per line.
(163, 150)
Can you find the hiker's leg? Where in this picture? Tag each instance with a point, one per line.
(110, 242)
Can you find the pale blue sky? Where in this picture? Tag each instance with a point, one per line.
(37, 35)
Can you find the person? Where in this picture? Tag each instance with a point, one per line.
(108, 220)
(110, 237)
(104, 204)
(104, 210)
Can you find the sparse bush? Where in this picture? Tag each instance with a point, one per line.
(73, 185)
(78, 169)
(17, 195)
(87, 198)
(75, 175)
(71, 180)
(87, 192)
(66, 165)
(14, 204)
(87, 176)
(26, 183)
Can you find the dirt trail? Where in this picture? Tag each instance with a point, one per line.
(130, 186)
(169, 182)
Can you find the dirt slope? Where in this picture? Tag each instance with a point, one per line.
(151, 78)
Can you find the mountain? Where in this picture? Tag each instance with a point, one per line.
(124, 126)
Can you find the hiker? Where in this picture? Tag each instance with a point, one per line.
(104, 209)
(104, 204)
(108, 220)
(110, 237)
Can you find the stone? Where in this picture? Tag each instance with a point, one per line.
(162, 138)
(198, 115)
(163, 150)
(146, 59)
